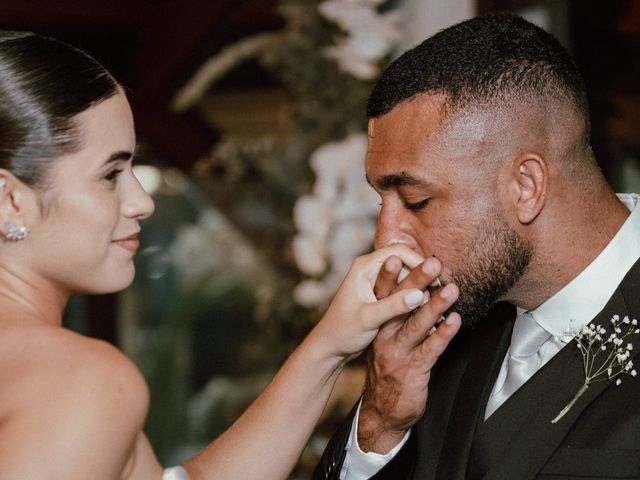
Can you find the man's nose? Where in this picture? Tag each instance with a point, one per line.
(391, 230)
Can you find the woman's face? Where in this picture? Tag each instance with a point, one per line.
(86, 236)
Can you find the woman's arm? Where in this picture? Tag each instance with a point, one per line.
(269, 437)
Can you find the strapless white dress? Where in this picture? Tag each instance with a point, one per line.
(175, 473)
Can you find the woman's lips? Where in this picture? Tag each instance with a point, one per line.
(130, 243)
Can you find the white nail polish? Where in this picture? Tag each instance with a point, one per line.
(413, 298)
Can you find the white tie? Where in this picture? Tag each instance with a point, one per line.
(523, 359)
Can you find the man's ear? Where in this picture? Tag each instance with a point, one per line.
(529, 177)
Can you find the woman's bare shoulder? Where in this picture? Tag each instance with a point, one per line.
(52, 358)
(86, 395)
(55, 356)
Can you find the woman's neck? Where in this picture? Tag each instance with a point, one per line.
(35, 297)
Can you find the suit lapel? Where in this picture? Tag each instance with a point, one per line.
(543, 397)
(488, 346)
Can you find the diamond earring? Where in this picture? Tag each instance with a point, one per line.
(16, 233)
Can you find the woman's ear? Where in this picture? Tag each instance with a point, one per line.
(13, 205)
(529, 176)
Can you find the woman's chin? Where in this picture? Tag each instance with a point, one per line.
(113, 285)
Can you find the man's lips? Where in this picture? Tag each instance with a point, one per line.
(130, 243)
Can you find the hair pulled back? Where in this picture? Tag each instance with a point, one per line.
(44, 84)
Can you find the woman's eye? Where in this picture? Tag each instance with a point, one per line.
(112, 176)
(417, 205)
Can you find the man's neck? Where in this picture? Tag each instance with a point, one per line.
(566, 249)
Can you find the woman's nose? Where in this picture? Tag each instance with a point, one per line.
(139, 203)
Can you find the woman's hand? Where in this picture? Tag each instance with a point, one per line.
(302, 386)
(355, 315)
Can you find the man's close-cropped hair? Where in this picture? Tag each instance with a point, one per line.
(493, 58)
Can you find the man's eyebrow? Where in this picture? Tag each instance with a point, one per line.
(387, 182)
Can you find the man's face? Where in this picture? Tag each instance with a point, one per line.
(439, 187)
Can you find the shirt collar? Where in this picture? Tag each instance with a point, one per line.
(578, 302)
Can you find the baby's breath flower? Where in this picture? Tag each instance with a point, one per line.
(592, 341)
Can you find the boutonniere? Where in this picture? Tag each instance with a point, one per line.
(605, 357)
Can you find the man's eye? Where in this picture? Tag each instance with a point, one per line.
(416, 206)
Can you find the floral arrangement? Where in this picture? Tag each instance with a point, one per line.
(316, 211)
(605, 358)
(291, 209)
(335, 222)
(370, 36)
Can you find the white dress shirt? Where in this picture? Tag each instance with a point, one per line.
(568, 310)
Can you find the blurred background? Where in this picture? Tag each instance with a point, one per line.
(250, 119)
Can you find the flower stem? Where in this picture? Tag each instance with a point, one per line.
(562, 413)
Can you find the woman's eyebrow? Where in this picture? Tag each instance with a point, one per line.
(119, 155)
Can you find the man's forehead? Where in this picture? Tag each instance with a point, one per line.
(410, 120)
(425, 122)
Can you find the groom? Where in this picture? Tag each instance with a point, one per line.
(479, 148)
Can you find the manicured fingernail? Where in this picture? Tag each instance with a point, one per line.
(392, 264)
(447, 291)
(430, 267)
(413, 298)
(450, 319)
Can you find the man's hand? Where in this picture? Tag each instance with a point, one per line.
(402, 355)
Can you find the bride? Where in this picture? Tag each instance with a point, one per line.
(71, 407)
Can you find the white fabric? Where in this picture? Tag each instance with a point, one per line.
(359, 465)
(524, 359)
(575, 305)
(175, 473)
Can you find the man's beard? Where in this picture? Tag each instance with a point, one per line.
(494, 262)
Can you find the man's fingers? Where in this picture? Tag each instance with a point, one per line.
(387, 277)
(399, 303)
(439, 339)
(421, 276)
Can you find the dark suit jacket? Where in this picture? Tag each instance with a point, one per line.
(598, 438)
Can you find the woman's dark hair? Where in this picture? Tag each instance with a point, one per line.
(44, 83)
